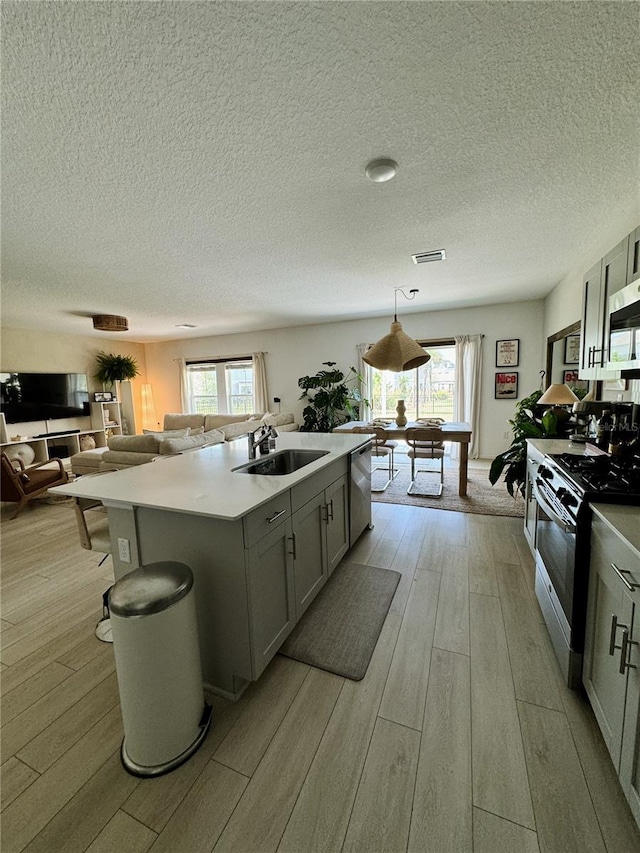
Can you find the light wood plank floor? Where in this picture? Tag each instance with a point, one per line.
(461, 737)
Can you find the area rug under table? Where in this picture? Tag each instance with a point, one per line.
(340, 629)
(481, 497)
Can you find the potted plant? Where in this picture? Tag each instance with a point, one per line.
(113, 368)
(334, 402)
(525, 425)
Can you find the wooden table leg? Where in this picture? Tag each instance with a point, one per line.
(462, 477)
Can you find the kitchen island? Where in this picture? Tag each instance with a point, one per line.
(260, 547)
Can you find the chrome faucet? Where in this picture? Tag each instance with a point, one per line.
(253, 442)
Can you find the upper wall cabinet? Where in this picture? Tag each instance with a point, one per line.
(633, 256)
(607, 277)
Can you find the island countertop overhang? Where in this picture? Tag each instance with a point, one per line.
(203, 482)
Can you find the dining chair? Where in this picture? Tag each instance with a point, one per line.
(93, 528)
(425, 443)
(381, 447)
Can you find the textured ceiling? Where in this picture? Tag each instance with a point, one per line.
(203, 162)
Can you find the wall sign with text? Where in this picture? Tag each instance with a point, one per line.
(572, 349)
(507, 352)
(506, 386)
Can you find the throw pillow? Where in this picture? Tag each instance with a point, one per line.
(24, 452)
(214, 436)
(178, 445)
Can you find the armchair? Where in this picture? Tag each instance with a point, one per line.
(21, 485)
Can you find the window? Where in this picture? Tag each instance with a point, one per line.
(220, 387)
(427, 391)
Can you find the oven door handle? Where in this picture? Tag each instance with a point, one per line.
(562, 523)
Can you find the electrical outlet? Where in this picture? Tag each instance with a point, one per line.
(124, 552)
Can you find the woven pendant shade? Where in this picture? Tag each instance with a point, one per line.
(396, 351)
(110, 323)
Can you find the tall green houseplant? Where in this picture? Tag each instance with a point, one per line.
(335, 402)
(114, 368)
(514, 460)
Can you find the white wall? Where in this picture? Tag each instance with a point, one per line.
(27, 350)
(300, 350)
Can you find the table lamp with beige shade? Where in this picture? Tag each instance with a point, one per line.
(556, 397)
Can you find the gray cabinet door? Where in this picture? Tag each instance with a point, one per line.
(614, 278)
(310, 552)
(610, 615)
(607, 277)
(633, 256)
(591, 322)
(271, 603)
(337, 503)
(630, 755)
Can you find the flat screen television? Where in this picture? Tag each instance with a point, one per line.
(43, 396)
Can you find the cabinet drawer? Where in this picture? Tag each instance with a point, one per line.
(306, 490)
(608, 547)
(263, 520)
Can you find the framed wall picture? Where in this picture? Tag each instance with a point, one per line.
(507, 352)
(506, 386)
(572, 349)
(103, 397)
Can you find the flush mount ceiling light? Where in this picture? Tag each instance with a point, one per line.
(381, 170)
(110, 323)
(397, 351)
(427, 257)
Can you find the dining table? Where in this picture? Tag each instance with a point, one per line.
(457, 431)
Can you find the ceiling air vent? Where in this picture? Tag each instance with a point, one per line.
(427, 257)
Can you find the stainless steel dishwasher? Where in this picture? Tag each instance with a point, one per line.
(359, 491)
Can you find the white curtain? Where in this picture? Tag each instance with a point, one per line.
(364, 370)
(468, 378)
(184, 384)
(260, 394)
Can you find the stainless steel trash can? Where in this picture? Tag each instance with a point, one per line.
(155, 641)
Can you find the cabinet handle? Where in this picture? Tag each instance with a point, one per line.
(294, 553)
(624, 653)
(621, 574)
(612, 637)
(330, 510)
(276, 516)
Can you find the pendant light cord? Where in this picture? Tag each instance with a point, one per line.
(412, 293)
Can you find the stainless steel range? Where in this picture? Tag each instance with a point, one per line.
(564, 487)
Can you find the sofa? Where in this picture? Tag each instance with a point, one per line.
(181, 433)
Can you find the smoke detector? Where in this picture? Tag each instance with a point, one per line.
(381, 170)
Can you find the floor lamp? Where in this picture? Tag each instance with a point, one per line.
(149, 420)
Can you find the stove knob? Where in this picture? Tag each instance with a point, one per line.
(545, 473)
(567, 499)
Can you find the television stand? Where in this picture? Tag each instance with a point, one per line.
(48, 445)
(56, 434)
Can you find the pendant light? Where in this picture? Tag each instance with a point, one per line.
(397, 351)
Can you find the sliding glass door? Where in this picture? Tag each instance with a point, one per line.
(427, 391)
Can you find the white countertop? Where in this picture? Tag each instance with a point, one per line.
(562, 445)
(202, 482)
(624, 520)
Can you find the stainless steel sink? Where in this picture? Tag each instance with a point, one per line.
(282, 462)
